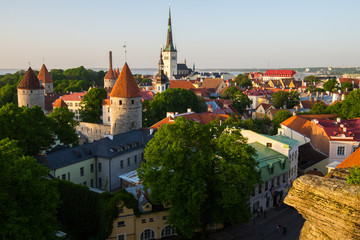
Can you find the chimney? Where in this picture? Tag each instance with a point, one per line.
(344, 129)
(170, 114)
(294, 113)
(338, 120)
(189, 110)
(339, 91)
(322, 95)
(210, 108)
(342, 96)
(110, 60)
(310, 97)
(315, 99)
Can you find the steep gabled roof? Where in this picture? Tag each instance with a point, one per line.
(125, 86)
(44, 75)
(211, 83)
(351, 161)
(30, 81)
(299, 125)
(59, 103)
(110, 74)
(185, 84)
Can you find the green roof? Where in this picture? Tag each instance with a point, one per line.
(285, 140)
(268, 158)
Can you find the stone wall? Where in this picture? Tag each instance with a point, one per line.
(126, 114)
(93, 131)
(330, 206)
(48, 87)
(30, 98)
(109, 83)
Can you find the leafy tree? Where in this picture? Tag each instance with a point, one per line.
(28, 200)
(346, 86)
(279, 117)
(28, 125)
(241, 102)
(148, 117)
(330, 85)
(230, 92)
(293, 99)
(318, 108)
(258, 125)
(91, 109)
(65, 125)
(350, 107)
(243, 80)
(280, 98)
(8, 94)
(312, 79)
(354, 176)
(206, 174)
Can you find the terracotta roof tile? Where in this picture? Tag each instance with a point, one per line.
(76, 96)
(125, 86)
(147, 95)
(44, 75)
(106, 101)
(211, 83)
(185, 84)
(309, 104)
(335, 130)
(279, 73)
(351, 161)
(30, 81)
(59, 103)
(110, 74)
(166, 120)
(298, 124)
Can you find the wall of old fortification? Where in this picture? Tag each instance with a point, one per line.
(109, 83)
(93, 131)
(30, 98)
(48, 87)
(126, 114)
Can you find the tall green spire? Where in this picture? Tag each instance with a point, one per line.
(169, 41)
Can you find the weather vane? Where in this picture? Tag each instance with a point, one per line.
(125, 50)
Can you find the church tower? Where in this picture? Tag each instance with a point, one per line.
(161, 81)
(46, 80)
(109, 79)
(170, 53)
(30, 92)
(125, 103)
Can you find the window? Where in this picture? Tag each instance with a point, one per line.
(147, 234)
(135, 159)
(354, 148)
(128, 161)
(132, 102)
(85, 183)
(109, 118)
(260, 188)
(92, 167)
(164, 218)
(143, 220)
(82, 171)
(269, 144)
(100, 182)
(147, 206)
(63, 177)
(271, 169)
(121, 237)
(167, 231)
(108, 109)
(151, 219)
(278, 180)
(272, 183)
(92, 183)
(121, 224)
(266, 186)
(99, 167)
(68, 176)
(121, 164)
(284, 178)
(120, 102)
(341, 151)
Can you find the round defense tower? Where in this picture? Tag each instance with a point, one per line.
(30, 92)
(125, 103)
(46, 80)
(110, 79)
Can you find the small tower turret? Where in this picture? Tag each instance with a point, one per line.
(125, 103)
(46, 80)
(30, 92)
(161, 81)
(109, 79)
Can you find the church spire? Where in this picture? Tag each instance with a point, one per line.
(169, 41)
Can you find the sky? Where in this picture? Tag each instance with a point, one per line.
(210, 33)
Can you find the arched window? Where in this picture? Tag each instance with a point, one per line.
(167, 231)
(147, 234)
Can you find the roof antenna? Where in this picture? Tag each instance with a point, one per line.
(125, 51)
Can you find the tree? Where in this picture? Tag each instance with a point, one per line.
(8, 94)
(206, 174)
(65, 125)
(350, 107)
(91, 109)
(148, 117)
(354, 176)
(230, 92)
(279, 117)
(318, 108)
(241, 102)
(312, 79)
(330, 85)
(280, 98)
(243, 80)
(28, 200)
(293, 99)
(258, 125)
(346, 86)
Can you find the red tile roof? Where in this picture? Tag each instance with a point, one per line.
(106, 101)
(44, 75)
(110, 74)
(125, 86)
(279, 73)
(353, 81)
(30, 81)
(185, 84)
(59, 103)
(76, 96)
(310, 104)
(351, 161)
(147, 95)
(211, 83)
(298, 124)
(346, 130)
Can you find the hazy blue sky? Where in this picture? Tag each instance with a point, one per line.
(212, 33)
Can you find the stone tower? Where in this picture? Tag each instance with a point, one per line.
(46, 80)
(30, 92)
(161, 81)
(170, 53)
(109, 79)
(125, 103)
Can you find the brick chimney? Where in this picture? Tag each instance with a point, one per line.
(110, 60)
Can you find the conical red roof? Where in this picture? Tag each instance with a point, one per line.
(125, 86)
(30, 81)
(110, 74)
(44, 75)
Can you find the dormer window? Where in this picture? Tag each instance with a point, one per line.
(269, 145)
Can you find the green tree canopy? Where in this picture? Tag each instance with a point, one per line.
(350, 107)
(28, 200)
(293, 99)
(241, 102)
(311, 79)
(346, 86)
(230, 92)
(280, 99)
(330, 85)
(91, 109)
(263, 125)
(279, 117)
(206, 174)
(65, 125)
(243, 80)
(354, 176)
(318, 108)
